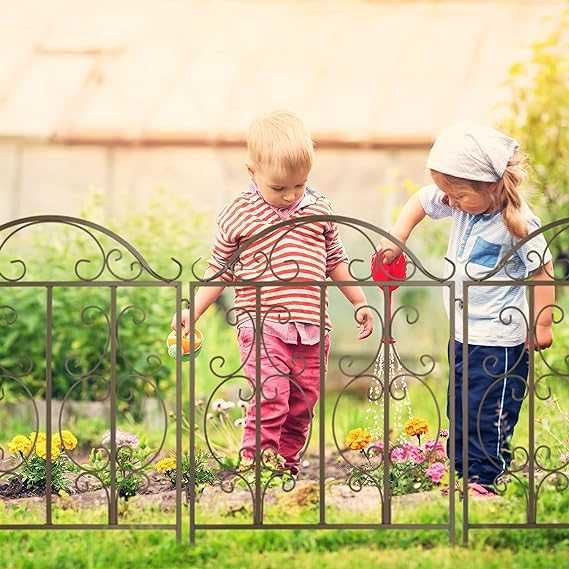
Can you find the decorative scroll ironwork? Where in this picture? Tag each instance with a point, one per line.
(384, 374)
(107, 258)
(267, 262)
(534, 466)
(264, 270)
(108, 374)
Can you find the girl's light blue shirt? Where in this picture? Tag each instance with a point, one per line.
(497, 315)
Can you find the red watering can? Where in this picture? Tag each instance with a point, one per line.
(383, 272)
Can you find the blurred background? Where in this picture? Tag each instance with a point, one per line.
(126, 97)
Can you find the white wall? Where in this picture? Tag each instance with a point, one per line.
(51, 179)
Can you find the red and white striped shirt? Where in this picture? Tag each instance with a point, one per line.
(292, 253)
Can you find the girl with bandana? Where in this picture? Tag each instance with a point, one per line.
(477, 172)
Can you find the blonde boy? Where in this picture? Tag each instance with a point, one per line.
(281, 154)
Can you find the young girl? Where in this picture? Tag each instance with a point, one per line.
(477, 172)
(280, 159)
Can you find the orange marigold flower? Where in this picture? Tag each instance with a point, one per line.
(68, 440)
(416, 426)
(358, 439)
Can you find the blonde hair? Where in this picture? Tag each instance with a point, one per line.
(280, 139)
(505, 192)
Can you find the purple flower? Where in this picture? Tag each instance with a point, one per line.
(436, 472)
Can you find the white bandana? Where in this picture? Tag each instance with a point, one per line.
(473, 152)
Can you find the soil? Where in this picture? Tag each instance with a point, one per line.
(15, 489)
(336, 468)
(158, 492)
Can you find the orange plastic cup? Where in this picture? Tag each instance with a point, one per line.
(171, 344)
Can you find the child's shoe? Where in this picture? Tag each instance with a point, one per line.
(481, 491)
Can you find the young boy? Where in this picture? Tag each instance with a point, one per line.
(281, 154)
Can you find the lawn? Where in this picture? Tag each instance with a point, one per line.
(271, 549)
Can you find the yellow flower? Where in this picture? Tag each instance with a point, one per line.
(166, 464)
(41, 447)
(20, 443)
(40, 435)
(69, 440)
(416, 426)
(358, 439)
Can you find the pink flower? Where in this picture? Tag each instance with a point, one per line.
(399, 454)
(435, 450)
(122, 438)
(415, 454)
(436, 472)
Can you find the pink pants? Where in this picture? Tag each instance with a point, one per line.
(290, 386)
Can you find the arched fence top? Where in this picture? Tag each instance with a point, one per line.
(534, 256)
(106, 258)
(367, 230)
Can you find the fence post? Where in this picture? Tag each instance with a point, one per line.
(192, 488)
(113, 515)
(465, 414)
(49, 389)
(452, 415)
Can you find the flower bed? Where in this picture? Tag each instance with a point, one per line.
(413, 466)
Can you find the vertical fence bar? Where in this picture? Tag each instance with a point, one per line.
(49, 389)
(258, 510)
(452, 416)
(113, 516)
(465, 418)
(322, 434)
(192, 434)
(386, 509)
(532, 507)
(178, 413)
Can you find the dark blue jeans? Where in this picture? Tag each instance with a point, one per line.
(497, 380)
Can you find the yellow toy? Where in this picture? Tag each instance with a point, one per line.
(171, 344)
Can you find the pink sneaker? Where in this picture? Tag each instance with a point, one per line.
(479, 491)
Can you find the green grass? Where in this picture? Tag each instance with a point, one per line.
(271, 549)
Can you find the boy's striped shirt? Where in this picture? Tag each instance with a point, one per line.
(290, 253)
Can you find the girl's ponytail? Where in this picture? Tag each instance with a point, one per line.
(511, 199)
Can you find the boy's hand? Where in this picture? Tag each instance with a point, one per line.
(543, 337)
(364, 317)
(389, 250)
(185, 316)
